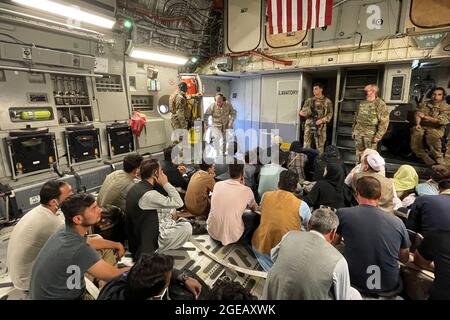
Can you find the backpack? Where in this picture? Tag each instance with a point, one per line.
(137, 123)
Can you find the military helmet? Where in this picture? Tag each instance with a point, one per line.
(183, 86)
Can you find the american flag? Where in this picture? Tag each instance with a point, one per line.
(298, 15)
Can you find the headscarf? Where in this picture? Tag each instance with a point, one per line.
(335, 176)
(405, 178)
(330, 152)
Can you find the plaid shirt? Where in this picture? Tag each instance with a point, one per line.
(297, 162)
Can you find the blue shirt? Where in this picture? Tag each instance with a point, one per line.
(269, 177)
(373, 239)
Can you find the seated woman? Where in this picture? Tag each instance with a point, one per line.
(281, 212)
(329, 190)
(405, 181)
(330, 155)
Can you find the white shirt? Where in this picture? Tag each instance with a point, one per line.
(27, 239)
(153, 200)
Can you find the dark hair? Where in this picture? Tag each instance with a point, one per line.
(444, 184)
(205, 165)
(439, 173)
(236, 170)
(182, 86)
(318, 84)
(219, 94)
(296, 146)
(148, 168)
(76, 205)
(444, 93)
(168, 154)
(230, 290)
(283, 156)
(146, 278)
(288, 180)
(132, 162)
(50, 190)
(368, 187)
(331, 152)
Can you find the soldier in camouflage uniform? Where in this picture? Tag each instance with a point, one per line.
(179, 108)
(432, 116)
(318, 111)
(371, 121)
(223, 115)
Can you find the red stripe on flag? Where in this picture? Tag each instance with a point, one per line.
(280, 16)
(308, 24)
(269, 3)
(328, 12)
(299, 14)
(317, 13)
(289, 15)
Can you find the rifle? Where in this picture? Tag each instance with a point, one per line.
(313, 125)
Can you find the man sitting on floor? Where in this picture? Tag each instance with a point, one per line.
(198, 199)
(430, 213)
(281, 212)
(227, 221)
(33, 230)
(150, 222)
(116, 185)
(58, 273)
(307, 267)
(374, 242)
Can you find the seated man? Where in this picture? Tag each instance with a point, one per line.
(147, 279)
(281, 212)
(149, 213)
(270, 174)
(431, 118)
(58, 273)
(307, 267)
(434, 254)
(197, 199)
(33, 230)
(176, 174)
(431, 212)
(116, 185)
(374, 242)
(227, 221)
(372, 166)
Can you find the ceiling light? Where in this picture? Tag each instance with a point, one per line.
(67, 11)
(146, 54)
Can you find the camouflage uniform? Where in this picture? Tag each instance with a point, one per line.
(371, 120)
(220, 118)
(432, 133)
(324, 108)
(180, 110)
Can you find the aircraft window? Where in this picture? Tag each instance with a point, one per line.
(163, 109)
